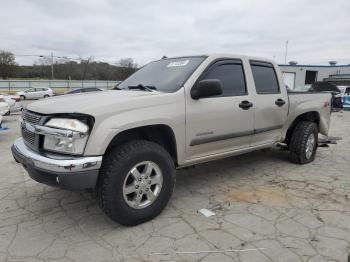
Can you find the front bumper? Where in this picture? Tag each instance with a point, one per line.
(73, 173)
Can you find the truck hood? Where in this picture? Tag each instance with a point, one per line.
(98, 103)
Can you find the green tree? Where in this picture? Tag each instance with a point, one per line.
(8, 65)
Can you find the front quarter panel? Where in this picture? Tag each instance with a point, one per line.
(163, 109)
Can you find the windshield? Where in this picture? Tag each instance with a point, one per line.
(166, 75)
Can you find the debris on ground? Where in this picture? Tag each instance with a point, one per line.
(208, 251)
(206, 212)
(324, 141)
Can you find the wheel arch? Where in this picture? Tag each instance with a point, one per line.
(312, 116)
(159, 133)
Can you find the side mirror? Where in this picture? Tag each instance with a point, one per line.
(206, 88)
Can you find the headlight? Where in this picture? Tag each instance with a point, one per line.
(70, 124)
(69, 145)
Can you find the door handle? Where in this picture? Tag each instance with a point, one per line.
(280, 102)
(245, 105)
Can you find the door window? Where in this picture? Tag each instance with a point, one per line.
(231, 75)
(265, 78)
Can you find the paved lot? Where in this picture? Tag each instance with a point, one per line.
(297, 213)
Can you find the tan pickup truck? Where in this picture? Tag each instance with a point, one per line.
(127, 143)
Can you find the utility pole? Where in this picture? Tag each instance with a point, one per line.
(49, 57)
(286, 52)
(51, 66)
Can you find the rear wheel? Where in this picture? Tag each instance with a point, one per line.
(136, 182)
(46, 96)
(22, 97)
(303, 144)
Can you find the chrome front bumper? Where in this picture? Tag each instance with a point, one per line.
(62, 165)
(73, 173)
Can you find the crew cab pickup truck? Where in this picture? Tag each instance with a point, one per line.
(175, 112)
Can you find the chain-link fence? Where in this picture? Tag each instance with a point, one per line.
(11, 86)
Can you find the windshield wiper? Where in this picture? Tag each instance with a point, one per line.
(143, 87)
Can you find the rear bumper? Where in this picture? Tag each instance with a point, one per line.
(73, 173)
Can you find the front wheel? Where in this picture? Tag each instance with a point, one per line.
(303, 144)
(46, 96)
(136, 182)
(22, 97)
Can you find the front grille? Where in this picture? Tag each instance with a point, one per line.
(31, 117)
(28, 136)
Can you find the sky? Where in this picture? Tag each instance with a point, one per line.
(108, 30)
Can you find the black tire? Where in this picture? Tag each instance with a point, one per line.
(46, 96)
(298, 142)
(115, 168)
(22, 97)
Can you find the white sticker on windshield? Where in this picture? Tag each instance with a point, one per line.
(178, 63)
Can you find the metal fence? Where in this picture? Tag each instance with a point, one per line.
(11, 86)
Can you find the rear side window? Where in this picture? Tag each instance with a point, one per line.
(231, 76)
(265, 78)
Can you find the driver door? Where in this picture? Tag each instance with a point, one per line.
(218, 124)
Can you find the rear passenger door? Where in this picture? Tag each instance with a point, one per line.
(219, 124)
(270, 103)
(39, 93)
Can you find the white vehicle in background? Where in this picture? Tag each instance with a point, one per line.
(35, 93)
(14, 101)
(4, 107)
(344, 90)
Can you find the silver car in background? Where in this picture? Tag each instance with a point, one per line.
(35, 93)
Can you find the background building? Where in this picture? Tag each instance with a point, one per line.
(299, 75)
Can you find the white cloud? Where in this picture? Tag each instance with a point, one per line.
(318, 31)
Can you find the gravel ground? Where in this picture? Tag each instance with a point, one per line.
(286, 212)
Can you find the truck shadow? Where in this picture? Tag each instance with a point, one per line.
(76, 207)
